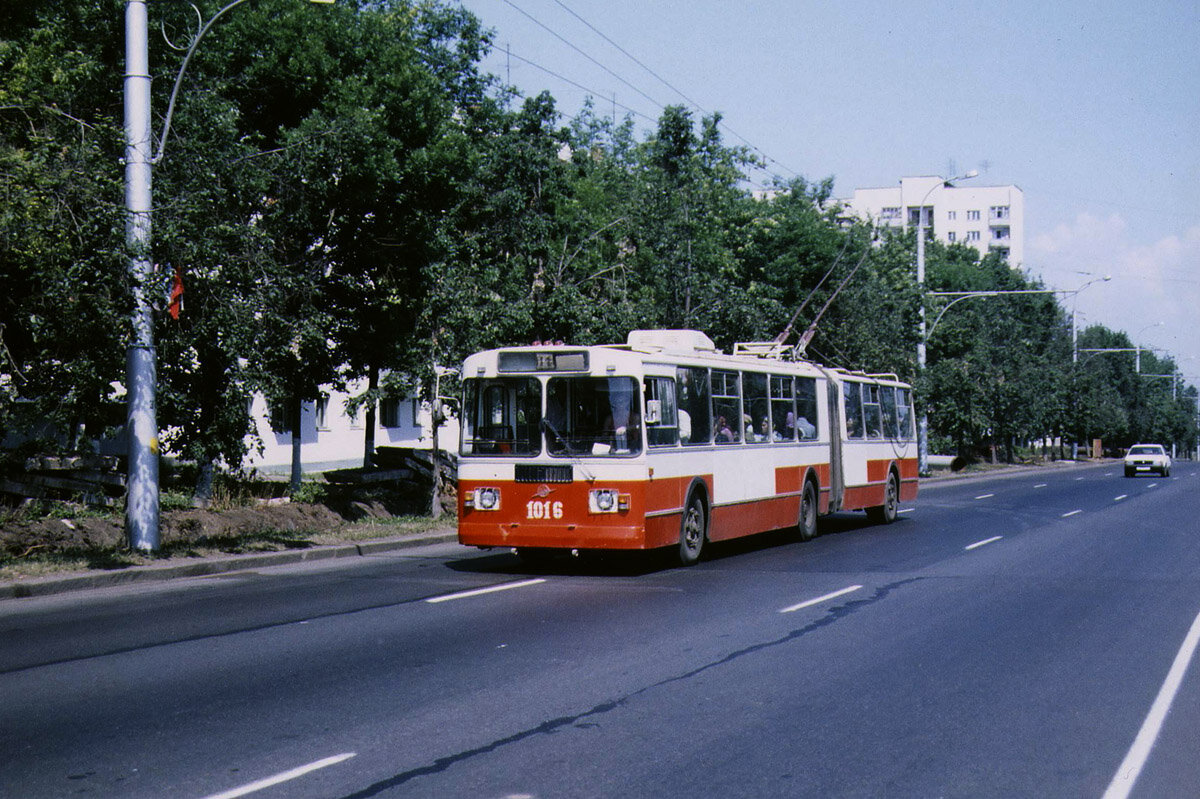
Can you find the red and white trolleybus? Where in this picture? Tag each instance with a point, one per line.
(667, 442)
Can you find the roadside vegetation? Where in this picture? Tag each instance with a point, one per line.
(42, 538)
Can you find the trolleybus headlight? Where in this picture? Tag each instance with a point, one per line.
(487, 499)
(604, 500)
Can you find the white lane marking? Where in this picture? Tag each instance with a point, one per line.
(1041, 485)
(1109, 474)
(1131, 766)
(820, 599)
(1152, 485)
(1118, 499)
(1077, 479)
(480, 591)
(984, 542)
(1071, 513)
(280, 778)
(906, 510)
(985, 496)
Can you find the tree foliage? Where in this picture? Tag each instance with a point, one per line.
(347, 196)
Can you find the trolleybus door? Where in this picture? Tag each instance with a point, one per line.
(837, 477)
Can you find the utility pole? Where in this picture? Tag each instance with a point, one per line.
(141, 501)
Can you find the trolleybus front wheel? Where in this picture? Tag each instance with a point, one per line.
(807, 525)
(693, 530)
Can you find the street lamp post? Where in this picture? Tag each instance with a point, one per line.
(922, 224)
(141, 501)
(959, 296)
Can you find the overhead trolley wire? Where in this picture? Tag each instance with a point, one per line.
(568, 43)
(758, 150)
(670, 86)
(579, 86)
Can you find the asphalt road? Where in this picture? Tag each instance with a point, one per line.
(1015, 636)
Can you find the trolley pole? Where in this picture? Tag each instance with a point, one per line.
(923, 419)
(141, 500)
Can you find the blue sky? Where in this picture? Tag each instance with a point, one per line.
(1093, 109)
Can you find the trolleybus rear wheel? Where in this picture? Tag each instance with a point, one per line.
(886, 513)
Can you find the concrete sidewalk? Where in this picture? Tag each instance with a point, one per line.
(217, 564)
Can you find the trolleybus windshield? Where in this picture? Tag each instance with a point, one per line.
(584, 416)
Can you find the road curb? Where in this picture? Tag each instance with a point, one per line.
(203, 567)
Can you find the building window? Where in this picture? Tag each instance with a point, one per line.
(320, 409)
(973, 235)
(952, 237)
(999, 212)
(891, 212)
(280, 423)
(1000, 233)
(389, 412)
(972, 216)
(952, 215)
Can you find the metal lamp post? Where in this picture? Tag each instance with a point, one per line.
(141, 502)
(922, 223)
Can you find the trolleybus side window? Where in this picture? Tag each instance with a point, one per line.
(695, 420)
(758, 408)
(783, 412)
(852, 392)
(806, 408)
(502, 416)
(662, 421)
(904, 414)
(727, 407)
(887, 401)
(872, 414)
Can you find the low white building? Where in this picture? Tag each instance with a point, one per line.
(332, 439)
(988, 218)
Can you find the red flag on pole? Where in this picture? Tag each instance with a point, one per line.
(176, 305)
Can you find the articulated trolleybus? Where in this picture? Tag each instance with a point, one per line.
(667, 442)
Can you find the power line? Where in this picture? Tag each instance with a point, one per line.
(673, 88)
(579, 86)
(562, 39)
(593, 92)
(758, 150)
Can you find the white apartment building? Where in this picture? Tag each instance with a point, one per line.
(332, 439)
(988, 218)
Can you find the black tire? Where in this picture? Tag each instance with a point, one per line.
(807, 525)
(886, 513)
(1129, 472)
(693, 530)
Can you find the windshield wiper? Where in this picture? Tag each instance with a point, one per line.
(549, 427)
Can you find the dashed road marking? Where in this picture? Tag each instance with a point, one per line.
(983, 543)
(809, 603)
(480, 591)
(285, 776)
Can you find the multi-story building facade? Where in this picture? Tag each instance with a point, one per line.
(989, 218)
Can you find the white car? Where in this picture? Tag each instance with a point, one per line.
(1147, 458)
